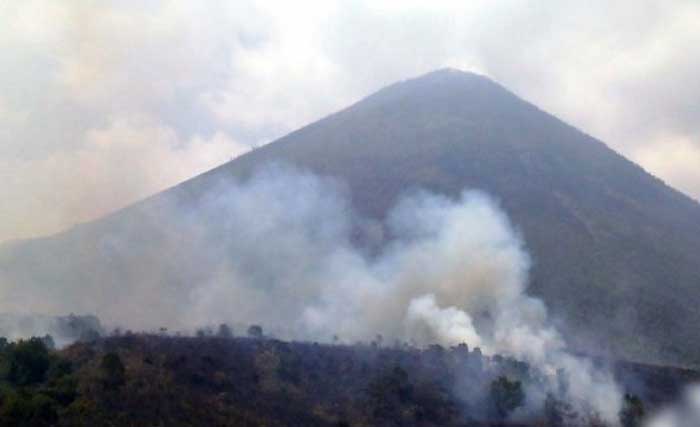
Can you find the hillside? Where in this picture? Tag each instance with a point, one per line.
(234, 381)
(616, 252)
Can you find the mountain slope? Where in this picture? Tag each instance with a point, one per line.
(616, 252)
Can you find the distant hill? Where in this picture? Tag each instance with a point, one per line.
(616, 252)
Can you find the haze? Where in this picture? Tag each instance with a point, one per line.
(102, 105)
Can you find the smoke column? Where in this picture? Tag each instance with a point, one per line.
(277, 250)
(454, 271)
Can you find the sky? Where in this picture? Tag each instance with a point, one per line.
(104, 103)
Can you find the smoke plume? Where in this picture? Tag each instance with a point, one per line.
(280, 249)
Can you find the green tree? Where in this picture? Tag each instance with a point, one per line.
(506, 396)
(224, 331)
(22, 408)
(28, 362)
(113, 372)
(49, 342)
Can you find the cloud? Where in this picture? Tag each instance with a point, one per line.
(252, 71)
(676, 159)
(124, 161)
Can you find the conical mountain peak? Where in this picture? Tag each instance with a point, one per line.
(445, 86)
(603, 234)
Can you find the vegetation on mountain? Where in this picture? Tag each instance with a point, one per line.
(159, 380)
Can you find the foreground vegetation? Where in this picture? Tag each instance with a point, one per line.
(221, 380)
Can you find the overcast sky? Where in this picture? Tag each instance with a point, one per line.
(103, 103)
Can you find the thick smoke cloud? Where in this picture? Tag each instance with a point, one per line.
(213, 78)
(281, 249)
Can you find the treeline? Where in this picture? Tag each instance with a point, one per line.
(63, 329)
(36, 384)
(216, 379)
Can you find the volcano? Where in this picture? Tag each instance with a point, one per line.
(615, 251)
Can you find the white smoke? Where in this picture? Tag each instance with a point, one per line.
(427, 322)
(685, 413)
(279, 250)
(454, 271)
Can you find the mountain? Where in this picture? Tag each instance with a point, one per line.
(615, 251)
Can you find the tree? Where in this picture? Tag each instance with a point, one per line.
(49, 342)
(22, 408)
(388, 393)
(89, 336)
(506, 396)
(632, 411)
(29, 361)
(558, 412)
(113, 372)
(255, 331)
(204, 332)
(224, 331)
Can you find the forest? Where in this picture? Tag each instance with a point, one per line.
(215, 378)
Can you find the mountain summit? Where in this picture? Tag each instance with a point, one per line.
(615, 251)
